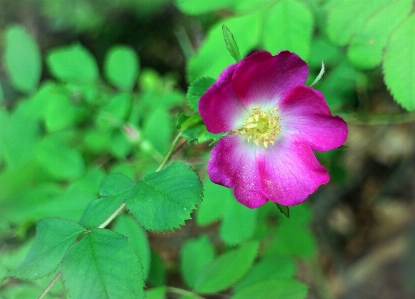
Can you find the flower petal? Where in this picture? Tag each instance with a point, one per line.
(305, 115)
(263, 79)
(290, 172)
(233, 164)
(219, 107)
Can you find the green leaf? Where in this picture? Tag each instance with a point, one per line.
(103, 265)
(115, 189)
(1, 94)
(228, 268)
(120, 145)
(288, 26)
(121, 67)
(163, 200)
(115, 184)
(59, 160)
(399, 64)
(211, 209)
(270, 266)
(54, 236)
(190, 127)
(4, 118)
(246, 31)
(21, 136)
(113, 114)
(60, 111)
(348, 17)
(156, 293)
(231, 44)
(22, 59)
(196, 89)
(194, 256)
(199, 7)
(157, 275)
(274, 288)
(366, 47)
(100, 209)
(294, 239)
(238, 222)
(137, 237)
(157, 129)
(73, 64)
(284, 209)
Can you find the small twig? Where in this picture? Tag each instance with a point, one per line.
(50, 285)
(112, 216)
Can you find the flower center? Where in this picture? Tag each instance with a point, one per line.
(261, 126)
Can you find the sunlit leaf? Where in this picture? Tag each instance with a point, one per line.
(73, 64)
(198, 7)
(348, 17)
(288, 26)
(231, 44)
(366, 47)
(399, 64)
(121, 67)
(246, 30)
(22, 59)
(196, 89)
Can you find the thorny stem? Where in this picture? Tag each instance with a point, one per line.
(169, 153)
(183, 292)
(50, 285)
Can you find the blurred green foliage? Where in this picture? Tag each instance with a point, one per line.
(74, 122)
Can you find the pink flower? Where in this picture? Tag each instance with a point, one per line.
(274, 123)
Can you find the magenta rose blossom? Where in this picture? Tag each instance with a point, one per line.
(275, 123)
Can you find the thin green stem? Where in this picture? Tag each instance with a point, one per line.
(102, 225)
(183, 292)
(50, 285)
(112, 216)
(169, 153)
(378, 119)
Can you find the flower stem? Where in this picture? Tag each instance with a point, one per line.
(169, 153)
(50, 285)
(183, 292)
(378, 119)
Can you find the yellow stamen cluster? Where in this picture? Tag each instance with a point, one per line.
(261, 126)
